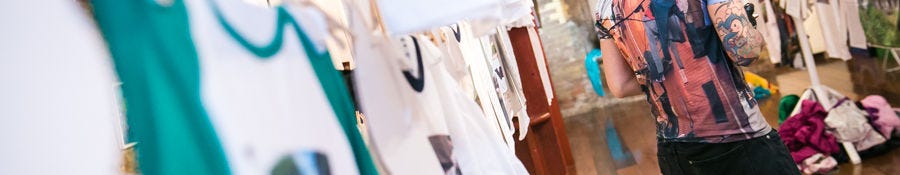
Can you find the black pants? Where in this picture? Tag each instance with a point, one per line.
(763, 155)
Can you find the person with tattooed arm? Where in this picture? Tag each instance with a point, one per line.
(685, 56)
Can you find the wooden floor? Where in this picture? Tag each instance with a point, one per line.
(834, 75)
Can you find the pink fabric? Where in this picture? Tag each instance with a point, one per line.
(818, 164)
(887, 120)
(804, 134)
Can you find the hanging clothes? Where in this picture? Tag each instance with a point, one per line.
(516, 95)
(834, 28)
(772, 33)
(478, 149)
(857, 36)
(205, 98)
(477, 51)
(403, 17)
(454, 61)
(388, 87)
(59, 108)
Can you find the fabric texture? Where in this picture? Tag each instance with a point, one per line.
(766, 154)
(805, 133)
(697, 93)
(398, 130)
(133, 31)
(818, 164)
(850, 125)
(786, 107)
(887, 120)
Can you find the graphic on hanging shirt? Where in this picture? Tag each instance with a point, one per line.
(696, 93)
(303, 163)
(398, 129)
(443, 147)
(417, 82)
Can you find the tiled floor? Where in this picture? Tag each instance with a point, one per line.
(620, 139)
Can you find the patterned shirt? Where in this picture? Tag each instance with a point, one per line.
(696, 93)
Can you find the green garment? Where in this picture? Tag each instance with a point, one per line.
(786, 106)
(158, 65)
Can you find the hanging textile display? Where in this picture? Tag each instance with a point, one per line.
(421, 120)
(59, 107)
(833, 28)
(221, 87)
(478, 54)
(387, 86)
(480, 152)
(857, 36)
(516, 95)
(771, 33)
(410, 16)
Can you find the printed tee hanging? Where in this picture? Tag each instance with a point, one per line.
(212, 90)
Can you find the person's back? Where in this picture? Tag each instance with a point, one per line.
(684, 55)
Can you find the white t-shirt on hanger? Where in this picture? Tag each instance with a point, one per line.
(265, 109)
(399, 132)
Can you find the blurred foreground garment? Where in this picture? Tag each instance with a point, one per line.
(58, 112)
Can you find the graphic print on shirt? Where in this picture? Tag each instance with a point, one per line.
(303, 162)
(696, 93)
(417, 83)
(443, 147)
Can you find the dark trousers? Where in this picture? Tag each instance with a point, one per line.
(762, 155)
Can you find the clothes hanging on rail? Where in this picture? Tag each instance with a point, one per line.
(387, 85)
(857, 36)
(59, 108)
(478, 53)
(403, 17)
(834, 28)
(221, 87)
(771, 32)
(479, 150)
(516, 95)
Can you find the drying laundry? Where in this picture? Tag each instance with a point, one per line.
(232, 89)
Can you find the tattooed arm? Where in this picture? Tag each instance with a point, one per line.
(741, 40)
